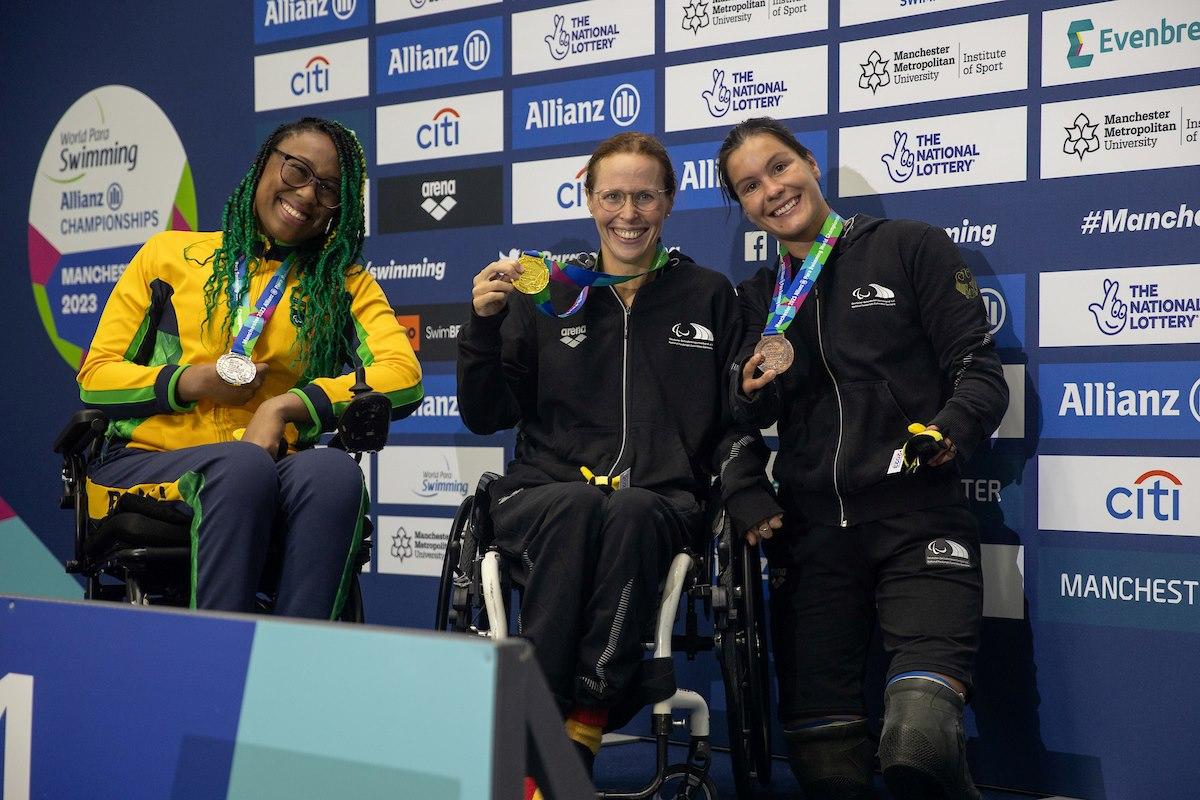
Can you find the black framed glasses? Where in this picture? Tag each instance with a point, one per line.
(296, 174)
(643, 199)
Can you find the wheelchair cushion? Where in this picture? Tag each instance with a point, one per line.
(138, 521)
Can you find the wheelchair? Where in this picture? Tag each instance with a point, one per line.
(719, 573)
(140, 552)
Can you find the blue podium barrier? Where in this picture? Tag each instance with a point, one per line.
(103, 700)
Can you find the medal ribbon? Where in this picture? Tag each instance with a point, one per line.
(792, 290)
(252, 325)
(587, 278)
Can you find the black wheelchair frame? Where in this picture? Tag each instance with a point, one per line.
(144, 545)
(720, 573)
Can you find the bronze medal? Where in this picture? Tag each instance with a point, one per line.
(535, 276)
(776, 351)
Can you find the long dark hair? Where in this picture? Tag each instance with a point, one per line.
(320, 301)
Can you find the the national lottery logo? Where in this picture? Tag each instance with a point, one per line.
(573, 35)
(740, 90)
(438, 198)
(1144, 309)
(695, 16)
(1081, 137)
(874, 72)
(929, 156)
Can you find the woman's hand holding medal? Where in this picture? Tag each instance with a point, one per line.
(495, 282)
(201, 381)
(750, 383)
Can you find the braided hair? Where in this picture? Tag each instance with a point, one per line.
(320, 304)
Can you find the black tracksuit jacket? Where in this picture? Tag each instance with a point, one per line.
(894, 332)
(642, 390)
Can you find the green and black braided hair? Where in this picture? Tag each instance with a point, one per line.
(320, 300)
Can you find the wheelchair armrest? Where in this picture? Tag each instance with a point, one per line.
(85, 425)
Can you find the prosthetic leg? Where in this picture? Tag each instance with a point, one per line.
(832, 759)
(922, 749)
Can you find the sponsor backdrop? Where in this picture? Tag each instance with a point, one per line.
(1057, 143)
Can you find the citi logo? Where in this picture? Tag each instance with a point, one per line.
(1075, 32)
(313, 79)
(573, 337)
(1104, 399)
(281, 12)
(691, 334)
(1153, 496)
(624, 105)
(474, 54)
(438, 209)
(442, 131)
(571, 193)
(873, 294)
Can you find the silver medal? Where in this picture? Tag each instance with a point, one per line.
(236, 369)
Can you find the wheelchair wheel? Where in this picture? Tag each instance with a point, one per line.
(450, 564)
(677, 783)
(742, 652)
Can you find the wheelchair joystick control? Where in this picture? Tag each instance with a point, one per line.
(363, 425)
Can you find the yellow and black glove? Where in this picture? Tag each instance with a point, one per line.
(922, 447)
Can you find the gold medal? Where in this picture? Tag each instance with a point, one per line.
(534, 278)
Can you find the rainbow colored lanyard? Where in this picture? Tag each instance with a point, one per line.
(251, 325)
(587, 278)
(792, 290)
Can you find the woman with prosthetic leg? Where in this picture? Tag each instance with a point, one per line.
(873, 356)
(620, 404)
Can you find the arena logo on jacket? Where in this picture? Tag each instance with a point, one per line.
(112, 174)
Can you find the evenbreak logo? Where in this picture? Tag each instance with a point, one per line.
(1075, 33)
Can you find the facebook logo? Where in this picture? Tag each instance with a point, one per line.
(756, 246)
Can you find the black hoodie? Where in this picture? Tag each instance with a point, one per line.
(638, 391)
(894, 332)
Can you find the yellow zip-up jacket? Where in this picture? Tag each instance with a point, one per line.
(150, 332)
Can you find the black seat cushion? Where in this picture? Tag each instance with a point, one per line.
(138, 521)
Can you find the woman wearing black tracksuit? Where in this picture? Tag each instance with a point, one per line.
(892, 333)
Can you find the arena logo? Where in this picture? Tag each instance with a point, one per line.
(578, 34)
(433, 201)
(1143, 309)
(1148, 498)
(932, 156)
(438, 198)
(742, 93)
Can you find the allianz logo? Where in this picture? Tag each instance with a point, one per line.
(474, 54)
(438, 405)
(281, 12)
(1104, 399)
(624, 105)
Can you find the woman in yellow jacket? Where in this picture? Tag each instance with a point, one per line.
(221, 357)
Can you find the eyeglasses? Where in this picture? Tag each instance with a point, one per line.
(296, 174)
(643, 199)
